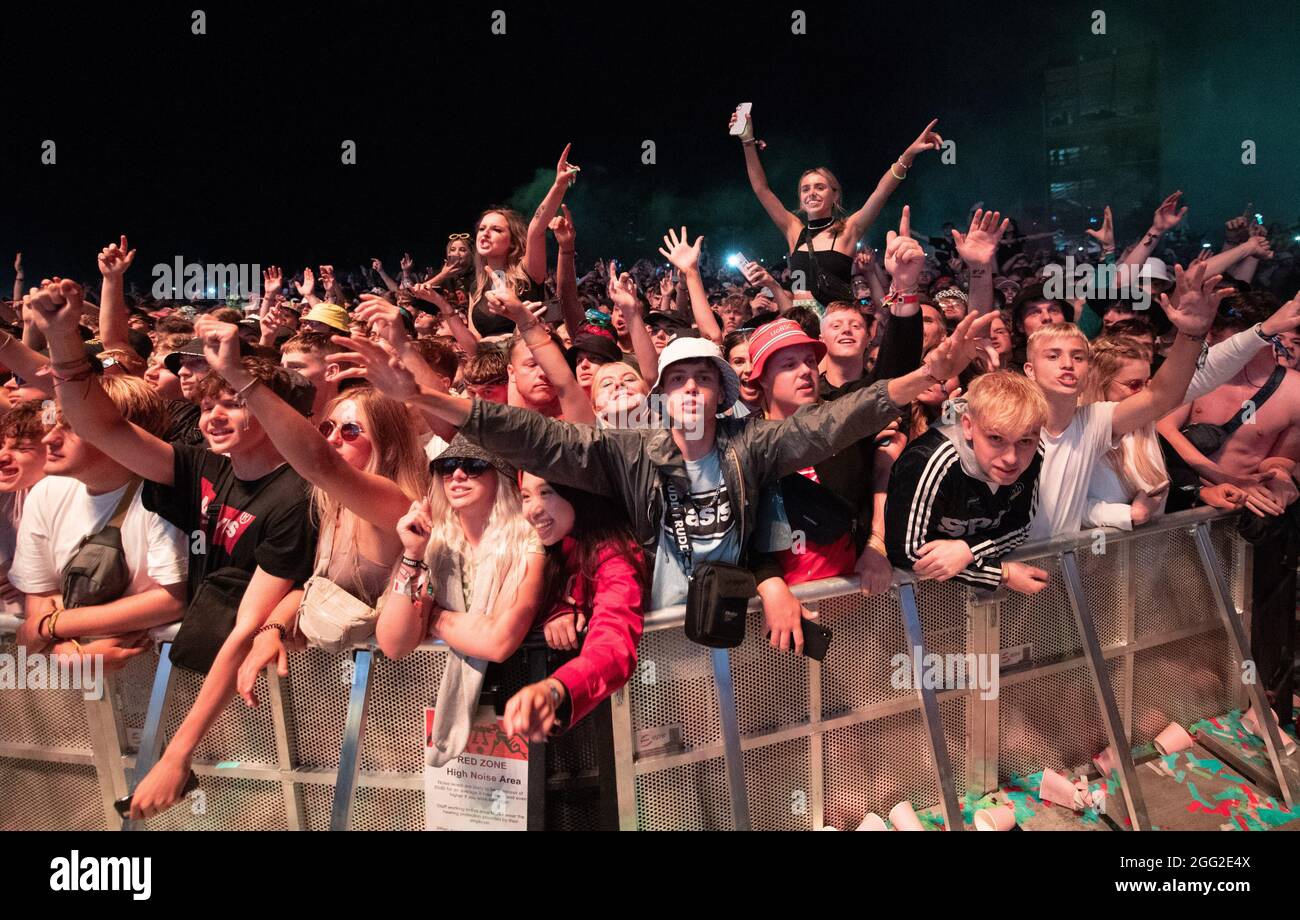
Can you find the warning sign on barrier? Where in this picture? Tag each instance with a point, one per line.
(485, 788)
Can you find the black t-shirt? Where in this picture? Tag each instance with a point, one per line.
(183, 424)
(263, 522)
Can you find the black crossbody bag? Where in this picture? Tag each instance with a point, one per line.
(210, 617)
(717, 594)
(1208, 437)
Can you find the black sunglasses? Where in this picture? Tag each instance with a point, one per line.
(349, 431)
(447, 466)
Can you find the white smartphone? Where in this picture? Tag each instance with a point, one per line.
(742, 118)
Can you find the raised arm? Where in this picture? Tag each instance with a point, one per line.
(978, 248)
(535, 248)
(865, 216)
(566, 272)
(622, 294)
(378, 266)
(373, 498)
(114, 260)
(758, 276)
(307, 289)
(787, 223)
(18, 277)
(27, 364)
(686, 257)
(56, 308)
(1191, 311)
(1167, 217)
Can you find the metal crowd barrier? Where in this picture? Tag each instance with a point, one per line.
(708, 739)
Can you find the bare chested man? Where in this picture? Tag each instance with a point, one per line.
(1261, 457)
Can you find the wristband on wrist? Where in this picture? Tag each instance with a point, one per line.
(268, 627)
(413, 563)
(248, 386)
(898, 165)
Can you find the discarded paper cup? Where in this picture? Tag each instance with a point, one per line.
(997, 818)
(903, 818)
(872, 822)
(1250, 722)
(1106, 761)
(1056, 789)
(1173, 739)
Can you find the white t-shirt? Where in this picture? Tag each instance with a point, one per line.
(60, 513)
(1068, 461)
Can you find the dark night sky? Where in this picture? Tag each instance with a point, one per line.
(225, 147)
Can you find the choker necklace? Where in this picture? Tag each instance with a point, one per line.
(825, 222)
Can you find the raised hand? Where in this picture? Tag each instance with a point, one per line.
(55, 306)
(220, 345)
(377, 265)
(904, 257)
(566, 172)
(414, 529)
(748, 133)
(1106, 235)
(951, 356)
(308, 283)
(1195, 301)
(928, 139)
(1235, 231)
(384, 319)
(272, 280)
(1168, 215)
(327, 277)
(1285, 318)
(757, 275)
(679, 252)
(622, 293)
(379, 363)
(562, 226)
(979, 245)
(114, 259)
(18, 264)
(1257, 246)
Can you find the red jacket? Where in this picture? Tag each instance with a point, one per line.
(614, 623)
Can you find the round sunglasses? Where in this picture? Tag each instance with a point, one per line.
(447, 466)
(349, 431)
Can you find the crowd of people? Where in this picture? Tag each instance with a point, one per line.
(500, 446)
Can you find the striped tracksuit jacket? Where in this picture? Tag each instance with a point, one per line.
(932, 498)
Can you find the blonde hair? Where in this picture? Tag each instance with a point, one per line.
(1006, 402)
(137, 402)
(837, 209)
(516, 277)
(1053, 333)
(505, 539)
(395, 454)
(1133, 460)
(615, 367)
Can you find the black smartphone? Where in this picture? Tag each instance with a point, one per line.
(123, 805)
(816, 639)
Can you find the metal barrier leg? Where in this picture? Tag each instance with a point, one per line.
(354, 731)
(286, 748)
(1240, 647)
(930, 711)
(151, 738)
(1115, 733)
(731, 738)
(104, 723)
(620, 718)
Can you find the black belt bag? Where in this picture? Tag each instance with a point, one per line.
(716, 604)
(717, 594)
(1209, 438)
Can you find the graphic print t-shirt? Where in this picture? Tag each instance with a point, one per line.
(711, 527)
(262, 522)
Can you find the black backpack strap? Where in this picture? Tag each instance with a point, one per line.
(1256, 402)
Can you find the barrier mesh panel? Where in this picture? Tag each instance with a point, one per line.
(318, 688)
(1182, 682)
(42, 718)
(1170, 590)
(241, 734)
(40, 796)
(872, 766)
(674, 686)
(1052, 721)
(223, 803)
(691, 797)
(400, 690)
(778, 786)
